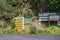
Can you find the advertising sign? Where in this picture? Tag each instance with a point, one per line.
(54, 18)
(43, 18)
(19, 23)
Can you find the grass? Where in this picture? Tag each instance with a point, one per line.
(36, 29)
(32, 30)
(50, 30)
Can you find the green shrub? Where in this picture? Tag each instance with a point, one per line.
(40, 31)
(33, 30)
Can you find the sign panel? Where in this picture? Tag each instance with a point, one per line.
(46, 14)
(43, 18)
(58, 23)
(51, 13)
(54, 18)
(19, 23)
(43, 14)
(26, 19)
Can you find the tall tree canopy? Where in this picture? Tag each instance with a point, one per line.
(11, 8)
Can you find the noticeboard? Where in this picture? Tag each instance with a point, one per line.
(19, 23)
(43, 18)
(54, 18)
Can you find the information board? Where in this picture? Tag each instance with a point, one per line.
(54, 18)
(43, 18)
(19, 23)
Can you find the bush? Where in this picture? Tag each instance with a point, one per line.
(33, 30)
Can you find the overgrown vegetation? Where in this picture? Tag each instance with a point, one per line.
(31, 30)
(12, 8)
(9, 9)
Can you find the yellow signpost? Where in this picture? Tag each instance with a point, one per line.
(19, 23)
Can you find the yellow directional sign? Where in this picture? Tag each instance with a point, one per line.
(19, 23)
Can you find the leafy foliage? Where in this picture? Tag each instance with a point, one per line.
(11, 8)
(27, 8)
